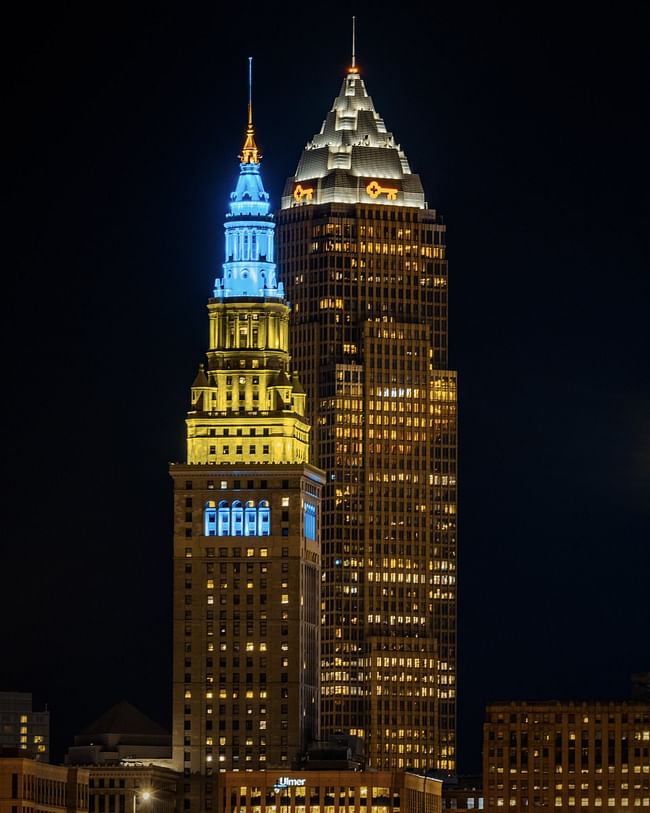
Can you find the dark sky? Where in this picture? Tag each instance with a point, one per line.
(527, 123)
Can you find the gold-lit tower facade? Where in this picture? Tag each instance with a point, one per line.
(246, 517)
(364, 261)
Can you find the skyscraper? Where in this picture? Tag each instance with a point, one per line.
(364, 261)
(246, 513)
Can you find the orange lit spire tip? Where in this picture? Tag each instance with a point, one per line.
(250, 153)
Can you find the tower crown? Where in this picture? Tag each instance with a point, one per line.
(354, 158)
(249, 269)
(248, 388)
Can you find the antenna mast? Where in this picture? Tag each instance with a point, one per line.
(250, 154)
(250, 90)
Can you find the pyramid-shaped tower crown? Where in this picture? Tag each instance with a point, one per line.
(354, 158)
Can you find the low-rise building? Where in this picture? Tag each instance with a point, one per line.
(567, 756)
(122, 735)
(325, 792)
(462, 793)
(31, 786)
(128, 758)
(132, 789)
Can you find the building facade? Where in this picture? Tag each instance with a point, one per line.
(364, 261)
(132, 789)
(127, 757)
(22, 727)
(30, 786)
(328, 792)
(567, 756)
(246, 517)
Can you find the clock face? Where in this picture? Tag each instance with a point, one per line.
(242, 379)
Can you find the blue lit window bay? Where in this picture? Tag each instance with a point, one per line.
(237, 518)
(309, 521)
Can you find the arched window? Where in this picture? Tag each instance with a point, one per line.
(250, 519)
(224, 519)
(263, 519)
(210, 519)
(237, 514)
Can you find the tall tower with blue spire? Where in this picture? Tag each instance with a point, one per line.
(246, 517)
(249, 269)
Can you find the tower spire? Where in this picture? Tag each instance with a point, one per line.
(353, 66)
(250, 91)
(250, 153)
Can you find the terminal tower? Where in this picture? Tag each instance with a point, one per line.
(247, 571)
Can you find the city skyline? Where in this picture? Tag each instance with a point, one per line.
(122, 244)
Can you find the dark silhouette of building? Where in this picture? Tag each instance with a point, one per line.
(641, 686)
(123, 734)
(462, 793)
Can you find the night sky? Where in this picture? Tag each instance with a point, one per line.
(527, 123)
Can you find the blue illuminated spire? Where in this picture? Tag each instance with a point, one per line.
(249, 269)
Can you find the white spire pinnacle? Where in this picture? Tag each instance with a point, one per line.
(250, 90)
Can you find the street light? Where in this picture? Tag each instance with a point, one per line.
(145, 796)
